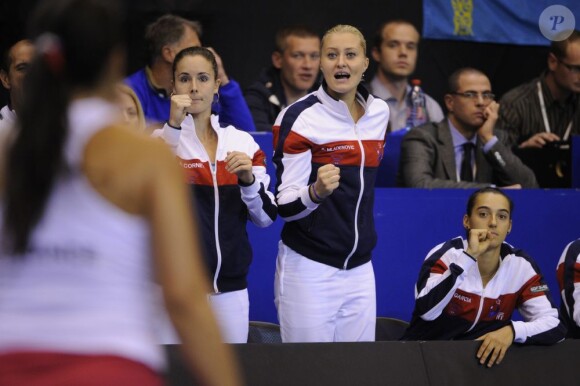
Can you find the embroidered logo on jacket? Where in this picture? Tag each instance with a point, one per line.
(192, 165)
(463, 298)
(337, 147)
(494, 311)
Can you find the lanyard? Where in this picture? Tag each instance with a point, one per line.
(545, 115)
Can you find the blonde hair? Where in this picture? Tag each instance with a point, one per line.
(124, 89)
(346, 28)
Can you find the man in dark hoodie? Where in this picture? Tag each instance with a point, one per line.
(293, 74)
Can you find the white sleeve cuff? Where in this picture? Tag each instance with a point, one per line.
(170, 135)
(250, 190)
(305, 197)
(520, 334)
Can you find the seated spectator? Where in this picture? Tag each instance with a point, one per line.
(131, 109)
(469, 289)
(164, 38)
(465, 150)
(395, 51)
(547, 109)
(13, 67)
(292, 75)
(568, 274)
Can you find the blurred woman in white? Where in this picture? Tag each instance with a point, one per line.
(92, 215)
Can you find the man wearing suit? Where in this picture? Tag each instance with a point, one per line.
(464, 150)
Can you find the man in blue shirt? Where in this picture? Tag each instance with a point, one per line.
(153, 84)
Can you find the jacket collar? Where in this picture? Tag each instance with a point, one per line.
(362, 94)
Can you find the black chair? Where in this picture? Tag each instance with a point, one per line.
(264, 332)
(389, 328)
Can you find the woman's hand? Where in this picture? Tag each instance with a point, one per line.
(478, 242)
(178, 110)
(494, 346)
(240, 164)
(327, 180)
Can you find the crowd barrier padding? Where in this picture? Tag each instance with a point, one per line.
(451, 363)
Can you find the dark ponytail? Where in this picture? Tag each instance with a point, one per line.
(74, 40)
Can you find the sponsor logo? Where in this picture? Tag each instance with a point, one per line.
(539, 288)
(494, 310)
(463, 298)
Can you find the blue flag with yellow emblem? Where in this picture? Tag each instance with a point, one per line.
(524, 22)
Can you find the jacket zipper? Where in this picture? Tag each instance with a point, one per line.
(215, 225)
(362, 186)
(213, 170)
(480, 309)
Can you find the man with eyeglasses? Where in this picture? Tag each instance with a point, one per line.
(547, 109)
(465, 150)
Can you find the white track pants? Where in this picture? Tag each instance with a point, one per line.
(231, 310)
(320, 303)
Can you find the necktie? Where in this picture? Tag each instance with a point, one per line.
(466, 173)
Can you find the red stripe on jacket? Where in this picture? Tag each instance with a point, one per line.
(439, 267)
(466, 305)
(348, 153)
(259, 158)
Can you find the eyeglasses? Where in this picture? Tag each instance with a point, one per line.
(486, 96)
(574, 69)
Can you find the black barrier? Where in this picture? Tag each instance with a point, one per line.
(395, 363)
(453, 363)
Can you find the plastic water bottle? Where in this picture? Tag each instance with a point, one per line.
(417, 113)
